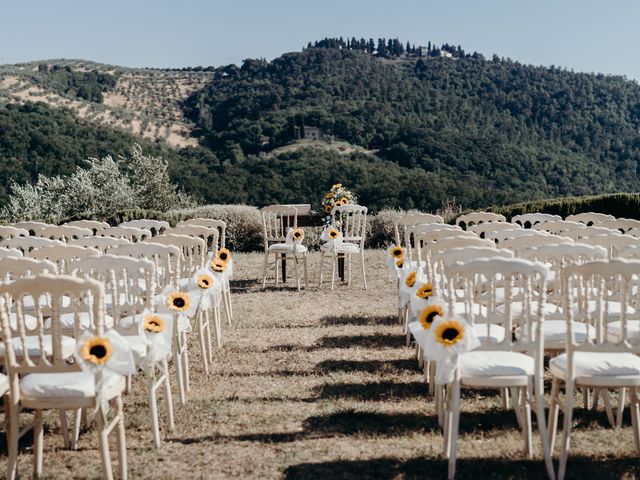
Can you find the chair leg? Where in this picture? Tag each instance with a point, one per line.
(321, 275)
(277, 269)
(453, 428)
(209, 341)
(635, 416)
(620, 409)
(538, 393)
(265, 269)
(122, 441)
(218, 326)
(65, 428)
(103, 439)
(38, 440)
(348, 260)
(528, 430)
(505, 398)
(306, 272)
(168, 396)
(607, 407)
(230, 304)
(185, 364)
(201, 335)
(553, 413)
(566, 433)
(334, 259)
(13, 435)
(364, 273)
(295, 271)
(153, 404)
(179, 374)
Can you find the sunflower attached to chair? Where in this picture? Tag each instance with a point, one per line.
(298, 234)
(410, 281)
(449, 332)
(429, 314)
(218, 265)
(332, 233)
(425, 291)
(153, 323)
(96, 350)
(179, 301)
(205, 281)
(223, 254)
(396, 251)
(338, 196)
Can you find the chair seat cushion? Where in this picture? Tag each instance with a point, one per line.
(347, 247)
(555, 331)
(33, 346)
(597, 364)
(496, 332)
(4, 384)
(517, 308)
(495, 363)
(614, 330)
(286, 248)
(67, 320)
(68, 385)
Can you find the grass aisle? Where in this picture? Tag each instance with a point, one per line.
(319, 384)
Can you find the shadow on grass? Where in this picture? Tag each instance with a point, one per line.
(358, 320)
(371, 366)
(366, 341)
(347, 422)
(379, 391)
(426, 468)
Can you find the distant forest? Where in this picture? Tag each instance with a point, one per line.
(485, 131)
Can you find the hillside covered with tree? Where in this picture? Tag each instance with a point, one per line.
(431, 122)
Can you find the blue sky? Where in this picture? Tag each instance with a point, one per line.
(585, 35)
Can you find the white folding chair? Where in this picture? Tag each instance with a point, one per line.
(528, 220)
(64, 233)
(514, 364)
(401, 225)
(100, 243)
(590, 218)
(44, 382)
(130, 233)
(557, 226)
(61, 255)
(7, 231)
(92, 225)
(10, 253)
(604, 294)
(31, 227)
(468, 219)
(26, 244)
(155, 227)
(211, 223)
(623, 225)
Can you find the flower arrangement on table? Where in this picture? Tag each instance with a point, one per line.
(338, 195)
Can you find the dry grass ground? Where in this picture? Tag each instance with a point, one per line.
(319, 384)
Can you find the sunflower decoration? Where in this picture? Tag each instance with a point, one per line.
(153, 323)
(178, 301)
(298, 234)
(410, 279)
(205, 281)
(337, 196)
(429, 314)
(218, 265)
(223, 254)
(396, 251)
(425, 291)
(96, 350)
(333, 234)
(449, 332)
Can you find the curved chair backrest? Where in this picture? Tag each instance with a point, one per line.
(100, 243)
(351, 220)
(10, 232)
(208, 234)
(558, 226)
(496, 284)
(128, 283)
(130, 233)
(500, 236)
(631, 252)
(483, 229)
(221, 225)
(613, 242)
(10, 253)
(582, 233)
(61, 255)
(156, 227)
(165, 258)
(64, 294)
(93, 225)
(14, 268)
(468, 219)
(401, 225)
(26, 244)
(521, 244)
(621, 224)
(276, 222)
(590, 218)
(64, 232)
(528, 220)
(193, 251)
(32, 227)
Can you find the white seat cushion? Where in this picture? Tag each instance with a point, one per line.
(347, 247)
(614, 330)
(517, 308)
(67, 320)
(286, 248)
(495, 363)
(597, 364)
(4, 384)
(68, 385)
(33, 346)
(555, 331)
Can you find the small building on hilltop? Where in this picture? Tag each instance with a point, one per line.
(309, 132)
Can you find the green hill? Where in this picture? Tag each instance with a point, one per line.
(402, 129)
